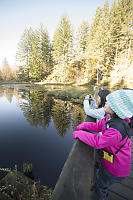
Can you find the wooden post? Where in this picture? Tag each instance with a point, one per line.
(77, 175)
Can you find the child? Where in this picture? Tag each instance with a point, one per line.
(115, 143)
(93, 110)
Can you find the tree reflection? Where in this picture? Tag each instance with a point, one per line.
(77, 115)
(1, 92)
(61, 117)
(9, 94)
(37, 108)
(65, 114)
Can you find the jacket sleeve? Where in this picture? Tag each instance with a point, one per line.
(91, 126)
(95, 113)
(110, 137)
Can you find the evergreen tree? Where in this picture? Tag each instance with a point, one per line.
(94, 25)
(6, 70)
(23, 55)
(1, 75)
(34, 52)
(126, 40)
(76, 66)
(45, 53)
(83, 33)
(120, 27)
(15, 73)
(93, 55)
(34, 70)
(114, 30)
(62, 42)
(103, 43)
(61, 49)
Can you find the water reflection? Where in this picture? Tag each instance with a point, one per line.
(9, 94)
(38, 129)
(61, 117)
(38, 109)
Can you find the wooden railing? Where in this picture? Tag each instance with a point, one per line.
(77, 175)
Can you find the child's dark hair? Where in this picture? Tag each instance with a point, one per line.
(114, 115)
(103, 93)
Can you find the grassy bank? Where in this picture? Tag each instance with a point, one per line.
(69, 92)
(74, 94)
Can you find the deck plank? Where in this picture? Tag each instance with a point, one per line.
(131, 174)
(128, 182)
(123, 190)
(114, 196)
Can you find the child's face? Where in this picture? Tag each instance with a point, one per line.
(107, 108)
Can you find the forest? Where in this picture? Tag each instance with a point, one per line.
(100, 53)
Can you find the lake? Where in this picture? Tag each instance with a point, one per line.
(38, 129)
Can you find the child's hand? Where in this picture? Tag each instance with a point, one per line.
(79, 127)
(75, 133)
(79, 134)
(87, 97)
(84, 125)
(92, 98)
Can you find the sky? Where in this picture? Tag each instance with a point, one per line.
(16, 15)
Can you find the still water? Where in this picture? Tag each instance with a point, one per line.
(38, 129)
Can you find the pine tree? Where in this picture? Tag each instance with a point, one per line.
(24, 54)
(103, 43)
(93, 43)
(62, 48)
(1, 75)
(62, 41)
(77, 64)
(93, 54)
(6, 70)
(34, 52)
(95, 24)
(120, 27)
(34, 71)
(82, 35)
(45, 53)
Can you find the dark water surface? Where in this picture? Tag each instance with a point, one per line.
(38, 129)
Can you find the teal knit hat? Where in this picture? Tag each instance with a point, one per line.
(121, 102)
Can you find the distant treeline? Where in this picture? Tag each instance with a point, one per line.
(90, 53)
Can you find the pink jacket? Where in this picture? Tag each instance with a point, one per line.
(110, 141)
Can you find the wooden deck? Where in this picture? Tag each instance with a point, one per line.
(123, 190)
